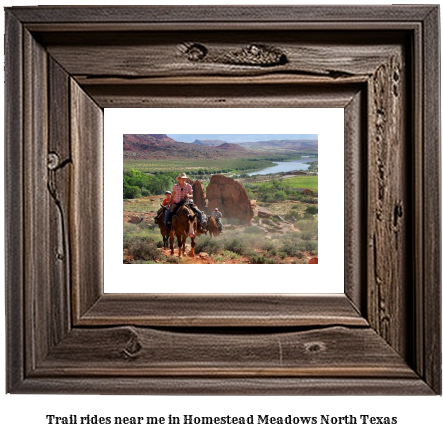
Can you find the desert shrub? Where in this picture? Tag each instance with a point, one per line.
(230, 255)
(251, 253)
(131, 192)
(307, 235)
(292, 214)
(308, 226)
(219, 259)
(312, 209)
(311, 245)
(236, 245)
(282, 255)
(208, 245)
(152, 226)
(129, 228)
(142, 248)
(173, 260)
(280, 195)
(260, 260)
(268, 245)
(254, 230)
(272, 252)
(142, 262)
(292, 248)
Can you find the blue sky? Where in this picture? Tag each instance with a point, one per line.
(238, 138)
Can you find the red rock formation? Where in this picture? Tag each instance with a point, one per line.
(198, 194)
(230, 197)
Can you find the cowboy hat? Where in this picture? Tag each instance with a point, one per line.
(182, 176)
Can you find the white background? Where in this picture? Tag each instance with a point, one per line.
(328, 123)
(24, 415)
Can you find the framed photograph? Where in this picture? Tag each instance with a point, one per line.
(376, 329)
(271, 213)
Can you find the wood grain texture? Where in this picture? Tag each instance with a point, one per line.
(205, 310)
(86, 209)
(251, 95)
(355, 196)
(55, 92)
(431, 321)
(224, 14)
(59, 168)
(226, 386)
(37, 306)
(388, 204)
(170, 54)
(14, 239)
(129, 351)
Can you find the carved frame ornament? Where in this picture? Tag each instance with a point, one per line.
(64, 65)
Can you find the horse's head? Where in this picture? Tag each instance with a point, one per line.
(192, 225)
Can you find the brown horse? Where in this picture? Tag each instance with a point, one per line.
(184, 225)
(160, 221)
(212, 227)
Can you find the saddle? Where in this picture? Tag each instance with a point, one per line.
(160, 211)
(178, 207)
(218, 222)
(174, 213)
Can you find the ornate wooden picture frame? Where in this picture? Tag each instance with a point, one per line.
(65, 64)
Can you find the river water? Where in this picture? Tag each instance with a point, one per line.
(286, 166)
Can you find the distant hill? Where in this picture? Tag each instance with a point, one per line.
(302, 146)
(242, 138)
(209, 142)
(160, 146)
(145, 142)
(229, 147)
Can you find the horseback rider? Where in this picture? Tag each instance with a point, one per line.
(217, 216)
(181, 192)
(167, 200)
(204, 220)
(165, 203)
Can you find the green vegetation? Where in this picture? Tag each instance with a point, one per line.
(142, 248)
(141, 242)
(284, 189)
(312, 209)
(313, 167)
(195, 167)
(137, 184)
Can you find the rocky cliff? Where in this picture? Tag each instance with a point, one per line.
(230, 197)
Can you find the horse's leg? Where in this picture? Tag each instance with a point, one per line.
(179, 244)
(171, 242)
(184, 244)
(191, 254)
